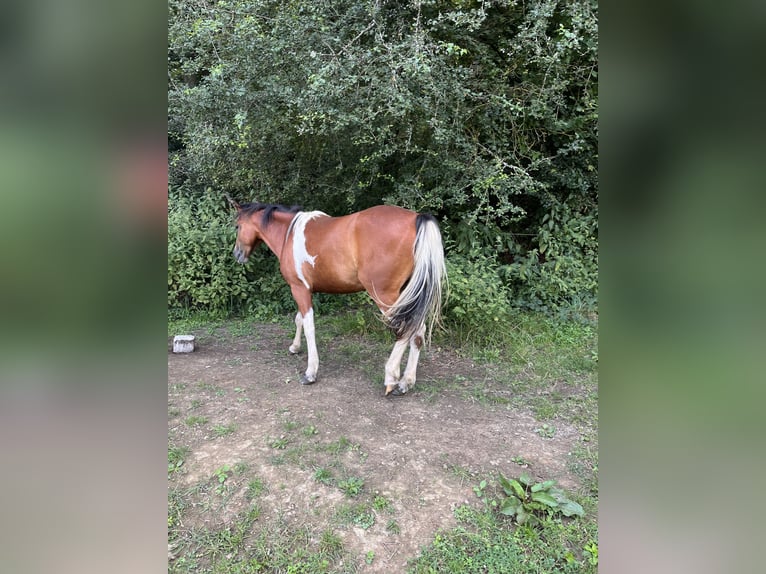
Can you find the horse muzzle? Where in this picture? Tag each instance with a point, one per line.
(240, 255)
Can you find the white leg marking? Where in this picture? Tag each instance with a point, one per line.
(410, 372)
(394, 363)
(296, 346)
(311, 345)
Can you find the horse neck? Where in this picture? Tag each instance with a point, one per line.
(275, 233)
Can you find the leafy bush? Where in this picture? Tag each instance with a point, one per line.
(478, 299)
(202, 272)
(485, 116)
(562, 269)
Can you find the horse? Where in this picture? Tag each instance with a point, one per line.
(394, 254)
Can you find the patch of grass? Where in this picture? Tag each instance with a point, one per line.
(309, 431)
(255, 488)
(289, 425)
(330, 544)
(239, 547)
(354, 514)
(392, 527)
(543, 408)
(224, 430)
(323, 475)
(483, 542)
(341, 445)
(195, 421)
(185, 322)
(546, 431)
(176, 457)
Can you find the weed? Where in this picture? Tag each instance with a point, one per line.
(241, 467)
(255, 488)
(323, 475)
(381, 503)
(392, 527)
(546, 431)
(222, 474)
(195, 421)
(330, 544)
(289, 425)
(176, 457)
(279, 443)
(352, 486)
(196, 403)
(527, 501)
(369, 557)
(341, 445)
(357, 514)
(224, 430)
(310, 431)
(521, 461)
(591, 549)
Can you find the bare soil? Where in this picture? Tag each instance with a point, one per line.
(423, 452)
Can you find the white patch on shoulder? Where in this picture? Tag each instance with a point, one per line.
(300, 253)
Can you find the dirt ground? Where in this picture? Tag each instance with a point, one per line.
(423, 452)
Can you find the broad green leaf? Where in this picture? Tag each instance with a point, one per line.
(510, 506)
(570, 508)
(506, 485)
(543, 485)
(525, 479)
(545, 498)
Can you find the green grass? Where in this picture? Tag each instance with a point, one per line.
(224, 430)
(484, 541)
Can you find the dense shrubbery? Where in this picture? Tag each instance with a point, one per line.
(202, 272)
(482, 113)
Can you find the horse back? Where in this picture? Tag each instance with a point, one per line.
(371, 249)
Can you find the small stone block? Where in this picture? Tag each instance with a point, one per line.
(183, 343)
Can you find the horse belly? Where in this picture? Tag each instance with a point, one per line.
(338, 279)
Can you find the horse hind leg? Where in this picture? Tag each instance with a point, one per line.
(410, 372)
(393, 367)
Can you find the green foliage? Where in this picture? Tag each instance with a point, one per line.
(222, 475)
(485, 115)
(351, 486)
(526, 501)
(478, 298)
(482, 542)
(176, 457)
(202, 272)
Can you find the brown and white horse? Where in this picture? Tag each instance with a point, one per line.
(394, 254)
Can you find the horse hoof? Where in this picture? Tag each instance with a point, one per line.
(395, 392)
(306, 381)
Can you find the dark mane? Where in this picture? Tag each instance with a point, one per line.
(268, 210)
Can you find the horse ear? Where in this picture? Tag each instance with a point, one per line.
(233, 203)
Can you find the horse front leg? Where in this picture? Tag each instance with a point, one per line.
(302, 296)
(310, 377)
(296, 346)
